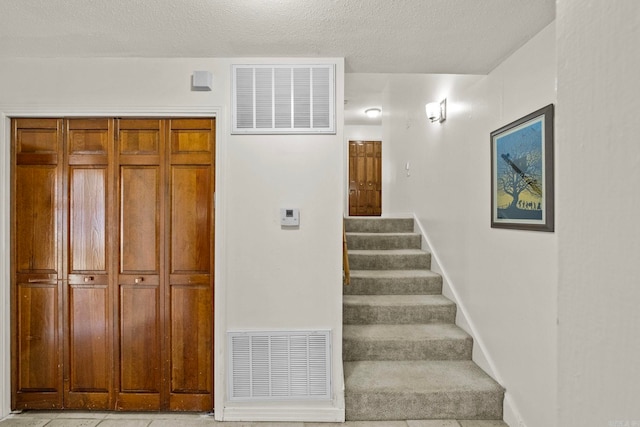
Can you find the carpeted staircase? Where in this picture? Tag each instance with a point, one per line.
(404, 358)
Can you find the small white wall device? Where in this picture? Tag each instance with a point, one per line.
(289, 217)
(202, 81)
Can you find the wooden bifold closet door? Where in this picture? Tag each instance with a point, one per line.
(112, 264)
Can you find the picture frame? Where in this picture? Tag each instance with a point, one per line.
(522, 195)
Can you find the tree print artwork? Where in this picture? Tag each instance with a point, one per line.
(522, 173)
(519, 173)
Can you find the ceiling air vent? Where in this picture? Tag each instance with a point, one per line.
(280, 365)
(280, 99)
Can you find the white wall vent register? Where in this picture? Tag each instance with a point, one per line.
(281, 99)
(280, 365)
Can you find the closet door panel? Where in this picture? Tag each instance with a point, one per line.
(36, 228)
(139, 138)
(191, 342)
(38, 141)
(140, 373)
(89, 141)
(191, 292)
(38, 340)
(88, 244)
(190, 219)
(192, 141)
(139, 340)
(140, 318)
(139, 284)
(89, 294)
(139, 219)
(190, 262)
(36, 264)
(89, 368)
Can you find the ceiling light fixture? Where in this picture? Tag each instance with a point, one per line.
(373, 113)
(437, 111)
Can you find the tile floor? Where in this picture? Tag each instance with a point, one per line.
(130, 419)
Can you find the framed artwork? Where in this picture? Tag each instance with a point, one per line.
(522, 173)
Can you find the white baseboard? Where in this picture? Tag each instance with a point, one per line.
(282, 414)
(463, 320)
(481, 355)
(510, 413)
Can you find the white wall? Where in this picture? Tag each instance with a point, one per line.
(362, 133)
(266, 277)
(599, 235)
(505, 281)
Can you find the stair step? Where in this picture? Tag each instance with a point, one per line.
(356, 241)
(414, 390)
(396, 259)
(405, 342)
(379, 225)
(404, 358)
(394, 282)
(397, 309)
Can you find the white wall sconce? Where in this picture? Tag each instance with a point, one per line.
(373, 113)
(437, 111)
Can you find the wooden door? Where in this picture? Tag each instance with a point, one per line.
(189, 296)
(88, 295)
(365, 178)
(141, 320)
(37, 264)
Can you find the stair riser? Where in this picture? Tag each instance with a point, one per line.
(394, 286)
(419, 406)
(410, 241)
(446, 349)
(389, 261)
(402, 315)
(379, 225)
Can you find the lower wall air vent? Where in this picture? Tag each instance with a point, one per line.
(280, 365)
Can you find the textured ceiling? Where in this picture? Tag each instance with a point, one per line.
(374, 36)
